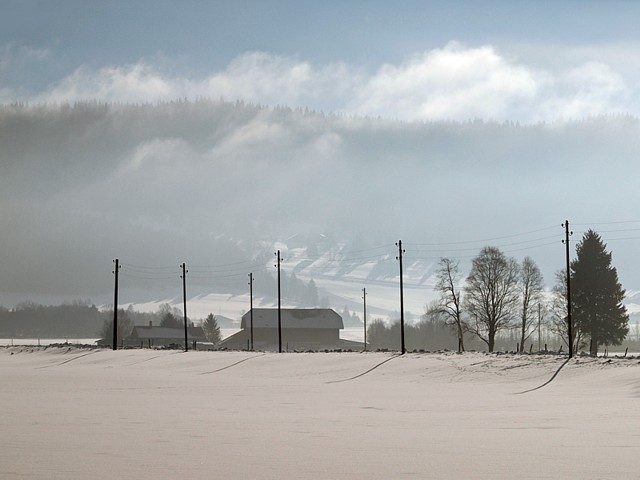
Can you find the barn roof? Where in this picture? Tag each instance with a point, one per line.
(317, 318)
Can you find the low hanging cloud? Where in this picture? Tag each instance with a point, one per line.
(132, 83)
(158, 183)
(588, 90)
(450, 83)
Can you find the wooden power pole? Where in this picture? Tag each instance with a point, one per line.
(115, 306)
(399, 257)
(251, 311)
(279, 305)
(569, 323)
(364, 313)
(184, 296)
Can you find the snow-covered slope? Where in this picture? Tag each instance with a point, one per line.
(339, 272)
(148, 414)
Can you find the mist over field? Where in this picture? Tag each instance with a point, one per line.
(218, 184)
(215, 134)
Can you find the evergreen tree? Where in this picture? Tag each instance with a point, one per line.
(170, 317)
(597, 294)
(346, 316)
(311, 298)
(211, 329)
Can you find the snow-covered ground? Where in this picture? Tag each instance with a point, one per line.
(92, 414)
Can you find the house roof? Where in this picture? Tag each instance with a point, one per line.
(166, 333)
(316, 318)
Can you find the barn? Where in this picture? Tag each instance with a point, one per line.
(302, 329)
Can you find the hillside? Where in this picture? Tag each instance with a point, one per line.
(221, 185)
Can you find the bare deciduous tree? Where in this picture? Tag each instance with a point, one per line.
(491, 294)
(530, 295)
(448, 308)
(125, 325)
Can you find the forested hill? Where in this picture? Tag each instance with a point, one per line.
(209, 182)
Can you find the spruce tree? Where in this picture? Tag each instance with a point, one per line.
(211, 329)
(597, 294)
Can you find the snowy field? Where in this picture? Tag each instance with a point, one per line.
(143, 414)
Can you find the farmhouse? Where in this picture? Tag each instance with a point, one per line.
(302, 329)
(150, 336)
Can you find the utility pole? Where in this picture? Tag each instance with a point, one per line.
(279, 306)
(184, 296)
(399, 257)
(364, 298)
(251, 310)
(569, 323)
(115, 306)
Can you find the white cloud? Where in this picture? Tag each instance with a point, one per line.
(588, 90)
(134, 83)
(451, 83)
(261, 131)
(259, 77)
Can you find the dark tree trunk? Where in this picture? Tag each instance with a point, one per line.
(492, 340)
(460, 339)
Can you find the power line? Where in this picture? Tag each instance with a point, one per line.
(607, 223)
(142, 267)
(503, 237)
(498, 246)
(129, 275)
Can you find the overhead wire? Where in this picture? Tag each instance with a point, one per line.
(346, 261)
(503, 237)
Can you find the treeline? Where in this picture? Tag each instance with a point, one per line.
(78, 319)
(501, 297)
(423, 335)
(31, 320)
(81, 319)
(430, 335)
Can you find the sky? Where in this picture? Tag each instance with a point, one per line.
(437, 122)
(524, 61)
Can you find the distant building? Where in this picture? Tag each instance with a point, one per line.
(302, 329)
(150, 336)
